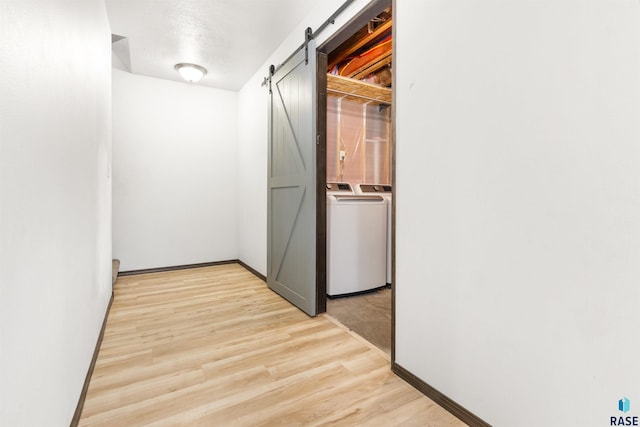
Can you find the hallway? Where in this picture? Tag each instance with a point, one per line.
(214, 346)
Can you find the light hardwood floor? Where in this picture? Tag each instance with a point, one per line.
(215, 347)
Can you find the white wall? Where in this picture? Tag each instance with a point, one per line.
(252, 175)
(55, 250)
(518, 205)
(254, 132)
(175, 166)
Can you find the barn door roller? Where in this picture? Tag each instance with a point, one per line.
(308, 36)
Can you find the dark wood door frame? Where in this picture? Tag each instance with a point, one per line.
(321, 177)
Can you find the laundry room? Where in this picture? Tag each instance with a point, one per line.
(359, 170)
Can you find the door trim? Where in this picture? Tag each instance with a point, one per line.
(321, 189)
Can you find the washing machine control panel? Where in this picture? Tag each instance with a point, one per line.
(339, 186)
(375, 188)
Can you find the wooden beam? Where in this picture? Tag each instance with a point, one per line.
(358, 90)
(372, 66)
(342, 55)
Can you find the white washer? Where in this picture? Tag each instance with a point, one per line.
(355, 241)
(386, 191)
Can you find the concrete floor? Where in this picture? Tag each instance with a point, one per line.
(368, 315)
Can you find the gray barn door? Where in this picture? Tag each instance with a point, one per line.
(291, 200)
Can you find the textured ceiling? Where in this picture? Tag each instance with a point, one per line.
(230, 38)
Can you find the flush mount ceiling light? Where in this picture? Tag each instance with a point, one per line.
(191, 72)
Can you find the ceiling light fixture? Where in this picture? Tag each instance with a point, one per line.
(190, 72)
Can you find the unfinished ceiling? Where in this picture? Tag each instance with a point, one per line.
(367, 53)
(230, 38)
(360, 69)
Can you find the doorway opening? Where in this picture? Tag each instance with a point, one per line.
(355, 176)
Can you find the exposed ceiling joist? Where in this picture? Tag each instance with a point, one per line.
(344, 52)
(372, 66)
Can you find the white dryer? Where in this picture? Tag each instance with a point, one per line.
(386, 191)
(356, 241)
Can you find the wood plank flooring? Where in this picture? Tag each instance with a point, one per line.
(214, 346)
